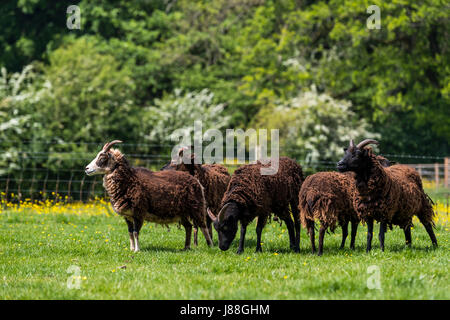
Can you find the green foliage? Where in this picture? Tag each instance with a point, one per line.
(90, 94)
(251, 55)
(20, 95)
(314, 127)
(176, 114)
(81, 96)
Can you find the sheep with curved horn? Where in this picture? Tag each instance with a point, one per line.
(391, 195)
(139, 195)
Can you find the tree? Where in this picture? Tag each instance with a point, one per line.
(314, 127)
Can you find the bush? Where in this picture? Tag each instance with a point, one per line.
(314, 127)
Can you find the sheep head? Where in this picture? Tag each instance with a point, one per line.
(104, 162)
(226, 224)
(356, 156)
(183, 161)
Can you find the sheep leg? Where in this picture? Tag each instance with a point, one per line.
(259, 227)
(195, 236)
(383, 227)
(209, 226)
(310, 226)
(296, 215)
(407, 231)
(321, 236)
(344, 234)
(242, 239)
(188, 228)
(137, 225)
(369, 234)
(428, 226)
(207, 236)
(354, 230)
(130, 225)
(291, 232)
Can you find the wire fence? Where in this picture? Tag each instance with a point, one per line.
(58, 175)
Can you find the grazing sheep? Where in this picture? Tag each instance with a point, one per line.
(250, 194)
(391, 195)
(328, 198)
(139, 194)
(213, 177)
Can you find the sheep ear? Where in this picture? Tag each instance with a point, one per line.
(368, 151)
(352, 144)
(181, 151)
(211, 215)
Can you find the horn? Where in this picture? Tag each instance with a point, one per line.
(364, 143)
(352, 144)
(221, 214)
(108, 145)
(211, 215)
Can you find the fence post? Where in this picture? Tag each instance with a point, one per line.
(446, 165)
(419, 168)
(436, 174)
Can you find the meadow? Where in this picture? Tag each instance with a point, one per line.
(81, 251)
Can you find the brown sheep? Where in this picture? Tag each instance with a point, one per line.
(213, 177)
(328, 198)
(391, 195)
(139, 194)
(251, 194)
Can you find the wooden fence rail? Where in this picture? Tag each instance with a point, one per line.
(437, 172)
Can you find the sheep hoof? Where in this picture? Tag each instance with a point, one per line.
(186, 248)
(239, 251)
(319, 254)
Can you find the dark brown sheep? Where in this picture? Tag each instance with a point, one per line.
(328, 198)
(391, 195)
(139, 194)
(213, 177)
(251, 194)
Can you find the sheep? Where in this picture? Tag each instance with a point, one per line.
(213, 177)
(328, 197)
(251, 194)
(391, 195)
(139, 194)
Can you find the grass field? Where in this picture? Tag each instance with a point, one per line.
(80, 251)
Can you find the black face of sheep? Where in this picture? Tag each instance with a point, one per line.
(355, 156)
(226, 224)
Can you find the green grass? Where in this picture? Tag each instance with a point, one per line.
(37, 250)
